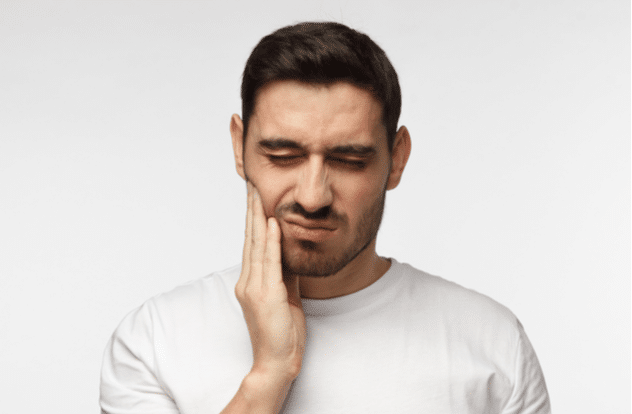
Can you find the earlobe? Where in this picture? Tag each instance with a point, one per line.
(399, 157)
(237, 134)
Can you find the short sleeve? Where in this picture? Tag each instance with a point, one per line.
(529, 395)
(129, 384)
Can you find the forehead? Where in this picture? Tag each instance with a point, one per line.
(317, 115)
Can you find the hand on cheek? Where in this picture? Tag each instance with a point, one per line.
(272, 308)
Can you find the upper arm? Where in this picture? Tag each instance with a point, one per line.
(129, 383)
(529, 395)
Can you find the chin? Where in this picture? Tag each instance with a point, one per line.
(307, 258)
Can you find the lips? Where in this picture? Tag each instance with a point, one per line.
(309, 230)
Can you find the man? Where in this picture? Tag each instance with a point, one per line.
(314, 320)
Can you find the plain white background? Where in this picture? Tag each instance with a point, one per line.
(117, 179)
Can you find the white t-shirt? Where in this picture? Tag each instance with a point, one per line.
(408, 343)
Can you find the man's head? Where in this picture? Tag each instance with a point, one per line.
(317, 150)
(322, 53)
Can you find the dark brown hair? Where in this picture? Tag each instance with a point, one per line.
(323, 53)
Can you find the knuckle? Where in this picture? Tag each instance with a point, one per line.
(239, 293)
(251, 294)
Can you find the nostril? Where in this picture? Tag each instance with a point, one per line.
(320, 214)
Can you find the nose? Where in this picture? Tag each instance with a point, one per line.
(313, 190)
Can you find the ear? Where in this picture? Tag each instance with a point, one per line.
(237, 134)
(399, 157)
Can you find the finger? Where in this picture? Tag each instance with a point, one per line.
(245, 259)
(272, 272)
(259, 230)
(248, 238)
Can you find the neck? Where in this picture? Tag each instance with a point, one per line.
(361, 272)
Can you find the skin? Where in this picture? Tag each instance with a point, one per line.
(317, 167)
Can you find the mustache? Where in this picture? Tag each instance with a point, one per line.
(324, 213)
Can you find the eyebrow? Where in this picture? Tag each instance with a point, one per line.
(285, 143)
(279, 143)
(354, 149)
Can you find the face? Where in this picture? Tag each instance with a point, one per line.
(318, 156)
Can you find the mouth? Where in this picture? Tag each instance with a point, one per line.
(309, 230)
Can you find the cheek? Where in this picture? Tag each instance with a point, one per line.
(271, 190)
(355, 195)
(267, 182)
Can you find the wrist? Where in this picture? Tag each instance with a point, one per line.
(262, 377)
(265, 391)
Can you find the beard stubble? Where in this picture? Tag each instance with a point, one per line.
(308, 258)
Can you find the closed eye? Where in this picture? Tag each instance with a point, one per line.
(284, 159)
(354, 163)
(290, 160)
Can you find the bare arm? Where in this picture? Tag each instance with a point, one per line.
(273, 313)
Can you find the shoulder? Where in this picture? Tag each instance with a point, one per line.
(166, 336)
(216, 286)
(479, 337)
(436, 289)
(184, 304)
(459, 309)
